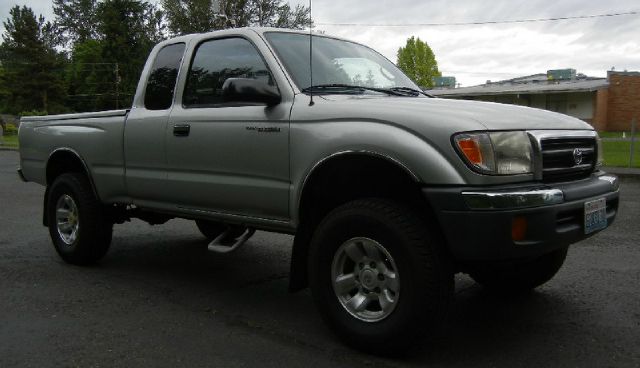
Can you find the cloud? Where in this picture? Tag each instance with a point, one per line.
(474, 54)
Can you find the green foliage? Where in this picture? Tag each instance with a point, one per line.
(33, 113)
(10, 129)
(75, 20)
(194, 16)
(417, 60)
(128, 32)
(32, 77)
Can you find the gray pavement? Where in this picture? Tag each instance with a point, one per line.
(159, 299)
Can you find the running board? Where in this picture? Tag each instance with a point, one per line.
(217, 247)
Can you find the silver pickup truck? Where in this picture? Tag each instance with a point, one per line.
(389, 192)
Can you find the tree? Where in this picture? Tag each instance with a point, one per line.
(417, 60)
(32, 66)
(75, 20)
(195, 16)
(127, 31)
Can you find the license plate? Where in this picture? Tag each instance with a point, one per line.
(595, 215)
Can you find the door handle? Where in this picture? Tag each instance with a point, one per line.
(181, 130)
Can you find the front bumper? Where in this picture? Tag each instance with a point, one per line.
(477, 222)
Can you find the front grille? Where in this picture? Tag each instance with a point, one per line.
(566, 159)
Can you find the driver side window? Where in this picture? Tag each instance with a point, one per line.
(214, 62)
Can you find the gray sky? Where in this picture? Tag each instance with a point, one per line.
(474, 54)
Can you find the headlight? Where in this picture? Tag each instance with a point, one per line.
(496, 153)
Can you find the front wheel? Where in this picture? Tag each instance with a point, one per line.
(519, 277)
(78, 226)
(378, 276)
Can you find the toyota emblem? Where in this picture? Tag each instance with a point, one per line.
(577, 156)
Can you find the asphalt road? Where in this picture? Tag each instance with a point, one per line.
(159, 299)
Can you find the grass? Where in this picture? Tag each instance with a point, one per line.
(617, 153)
(10, 141)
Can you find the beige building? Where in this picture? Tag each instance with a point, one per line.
(606, 103)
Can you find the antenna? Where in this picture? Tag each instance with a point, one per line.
(311, 103)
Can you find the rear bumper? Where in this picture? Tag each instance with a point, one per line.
(477, 222)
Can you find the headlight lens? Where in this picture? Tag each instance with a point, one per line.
(496, 153)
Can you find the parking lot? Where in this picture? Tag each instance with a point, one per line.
(159, 298)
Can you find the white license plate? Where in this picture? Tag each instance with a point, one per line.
(595, 215)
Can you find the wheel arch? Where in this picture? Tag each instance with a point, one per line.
(60, 161)
(335, 180)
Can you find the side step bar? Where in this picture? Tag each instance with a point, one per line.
(216, 245)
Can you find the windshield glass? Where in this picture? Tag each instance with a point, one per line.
(335, 62)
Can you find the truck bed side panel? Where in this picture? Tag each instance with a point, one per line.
(95, 137)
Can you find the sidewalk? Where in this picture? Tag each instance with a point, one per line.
(623, 171)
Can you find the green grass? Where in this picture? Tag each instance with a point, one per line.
(10, 141)
(617, 153)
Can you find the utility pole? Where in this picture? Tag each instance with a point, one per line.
(633, 139)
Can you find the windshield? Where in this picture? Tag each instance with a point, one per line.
(335, 62)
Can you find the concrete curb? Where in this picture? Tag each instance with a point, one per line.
(9, 148)
(623, 172)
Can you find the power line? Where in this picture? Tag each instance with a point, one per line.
(479, 23)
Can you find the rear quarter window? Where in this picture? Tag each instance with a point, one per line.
(161, 83)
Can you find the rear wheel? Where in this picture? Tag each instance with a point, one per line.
(78, 226)
(520, 276)
(378, 277)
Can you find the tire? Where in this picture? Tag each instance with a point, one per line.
(212, 230)
(78, 225)
(405, 247)
(520, 277)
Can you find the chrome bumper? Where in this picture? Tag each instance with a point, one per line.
(502, 200)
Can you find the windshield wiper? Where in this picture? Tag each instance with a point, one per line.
(411, 91)
(348, 88)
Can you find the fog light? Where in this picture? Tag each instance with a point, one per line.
(518, 228)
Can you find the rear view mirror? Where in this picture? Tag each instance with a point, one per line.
(250, 90)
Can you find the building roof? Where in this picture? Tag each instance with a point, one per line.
(532, 86)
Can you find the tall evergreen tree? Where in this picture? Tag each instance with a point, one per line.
(75, 20)
(107, 69)
(193, 16)
(417, 60)
(32, 66)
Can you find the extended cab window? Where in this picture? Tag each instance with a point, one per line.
(217, 60)
(162, 78)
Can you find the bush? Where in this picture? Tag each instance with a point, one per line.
(33, 113)
(10, 129)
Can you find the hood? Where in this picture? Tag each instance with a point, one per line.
(460, 115)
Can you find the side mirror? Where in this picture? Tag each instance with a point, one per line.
(250, 90)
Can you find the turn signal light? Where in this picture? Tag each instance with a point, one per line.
(471, 150)
(518, 228)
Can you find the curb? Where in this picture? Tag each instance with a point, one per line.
(623, 172)
(9, 148)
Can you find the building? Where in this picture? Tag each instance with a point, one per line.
(609, 104)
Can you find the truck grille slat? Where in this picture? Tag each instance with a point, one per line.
(568, 158)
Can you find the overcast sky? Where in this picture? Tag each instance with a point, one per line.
(474, 54)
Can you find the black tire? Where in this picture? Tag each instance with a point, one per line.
(212, 230)
(519, 277)
(425, 275)
(93, 235)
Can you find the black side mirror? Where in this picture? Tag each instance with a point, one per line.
(250, 90)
